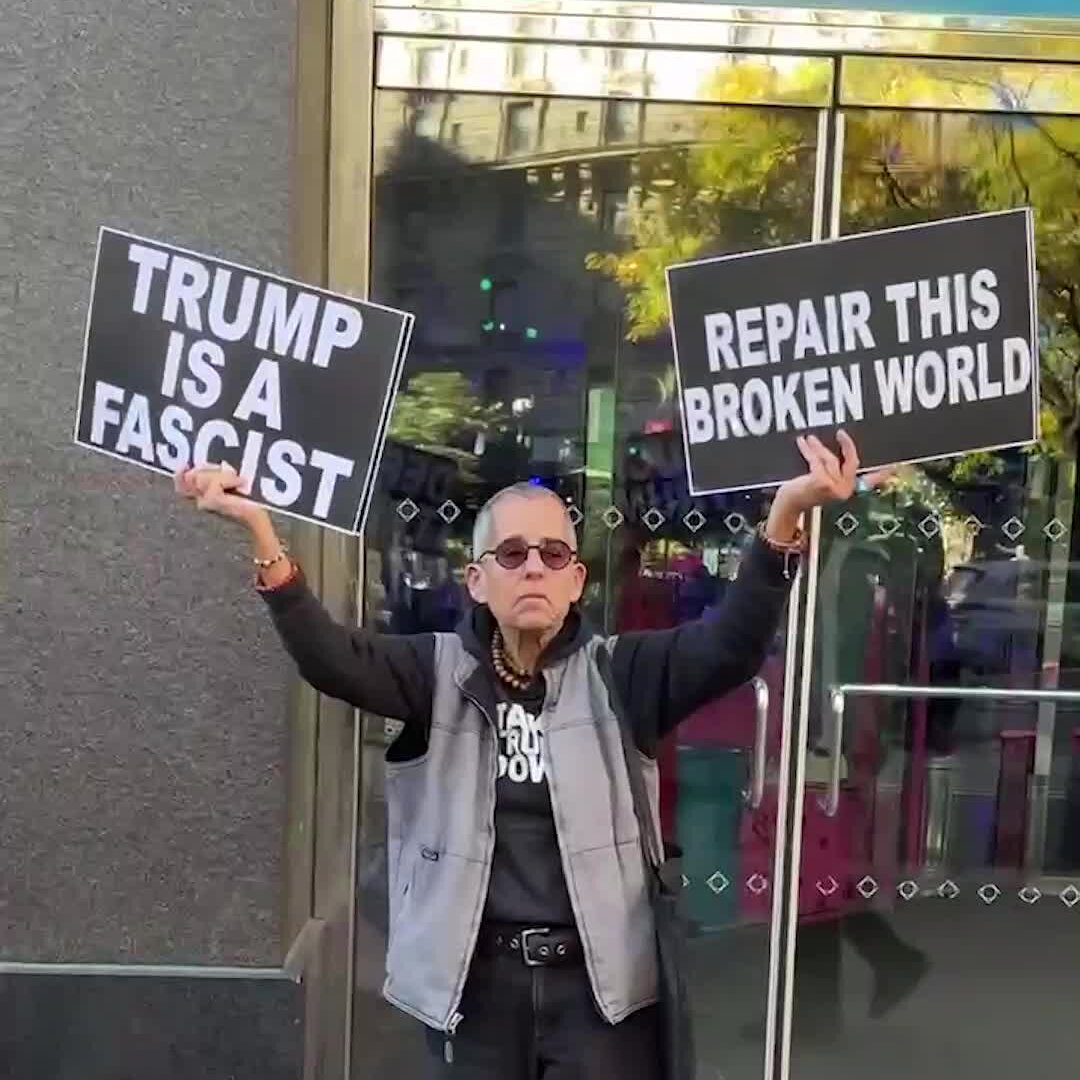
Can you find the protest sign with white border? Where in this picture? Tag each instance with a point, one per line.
(920, 341)
(192, 360)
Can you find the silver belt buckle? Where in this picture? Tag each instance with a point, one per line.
(525, 936)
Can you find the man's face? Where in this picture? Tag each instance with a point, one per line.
(533, 596)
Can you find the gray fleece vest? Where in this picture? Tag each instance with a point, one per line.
(441, 837)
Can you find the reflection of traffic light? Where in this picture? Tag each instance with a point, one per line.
(488, 286)
(495, 322)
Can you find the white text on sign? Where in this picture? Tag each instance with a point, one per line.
(823, 395)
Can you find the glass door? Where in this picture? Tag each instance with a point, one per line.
(937, 899)
(527, 200)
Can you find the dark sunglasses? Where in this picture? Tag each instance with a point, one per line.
(513, 553)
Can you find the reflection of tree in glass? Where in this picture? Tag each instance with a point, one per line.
(743, 184)
(750, 182)
(439, 412)
(902, 168)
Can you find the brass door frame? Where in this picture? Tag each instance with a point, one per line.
(799, 30)
(329, 210)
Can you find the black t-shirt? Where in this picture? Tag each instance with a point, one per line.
(527, 885)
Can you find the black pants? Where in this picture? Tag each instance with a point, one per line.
(528, 1023)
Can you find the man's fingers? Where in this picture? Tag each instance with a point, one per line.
(190, 484)
(225, 477)
(811, 449)
(850, 453)
(217, 489)
(230, 478)
(815, 454)
(830, 475)
(825, 458)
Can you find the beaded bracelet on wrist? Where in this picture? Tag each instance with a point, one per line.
(791, 550)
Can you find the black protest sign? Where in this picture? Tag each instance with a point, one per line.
(921, 342)
(190, 360)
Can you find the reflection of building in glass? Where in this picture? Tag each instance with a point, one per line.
(523, 190)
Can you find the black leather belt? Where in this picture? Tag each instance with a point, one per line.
(535, 946)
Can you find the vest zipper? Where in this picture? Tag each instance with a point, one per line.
(456, 1017)
(556, 812)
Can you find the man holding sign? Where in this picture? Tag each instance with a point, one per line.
(521, 930)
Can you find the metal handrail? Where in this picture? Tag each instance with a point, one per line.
(761, 734)
(840, 694)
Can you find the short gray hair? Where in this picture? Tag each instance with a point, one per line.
(481, 536)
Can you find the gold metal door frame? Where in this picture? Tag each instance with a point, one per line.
(800, 30)
(330, 214)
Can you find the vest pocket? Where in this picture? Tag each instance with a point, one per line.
(402, 887)
(428, 953)
(418, 862)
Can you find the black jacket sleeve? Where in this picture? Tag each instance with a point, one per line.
(391, 675)
(662, 676)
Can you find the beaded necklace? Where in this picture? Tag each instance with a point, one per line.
(504, 667)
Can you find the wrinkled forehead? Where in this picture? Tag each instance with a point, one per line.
(539, 518)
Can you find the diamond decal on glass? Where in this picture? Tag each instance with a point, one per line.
(948, 890)
(757, 884)
(828, 886)
(735, 523)
(653, 519)
(1070, 896)
(867, 887)
(613, 517)
(694, 520)
(929, 526)
(717, 882)
(1013, 529)
(989, 893)
(847, 523)
(685, 882)
(1055, 530)
(973, 524)
(889, 526)
(908, 889)
(575, 515)
(449, 512)
(1030, 895)
(407, 510)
